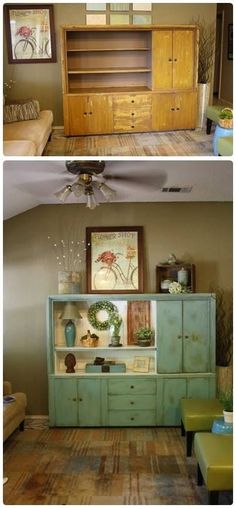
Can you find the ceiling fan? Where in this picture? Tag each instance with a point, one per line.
(91, 180)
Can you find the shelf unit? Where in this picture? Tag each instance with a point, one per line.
(181, 361)
(170, 272)
(107, 60)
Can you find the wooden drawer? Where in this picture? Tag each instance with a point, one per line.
(126, 101)
(131, 402)
(133, 121)
(134, 386)
(131, 418)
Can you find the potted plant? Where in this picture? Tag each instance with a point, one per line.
(144, 336)
(206, 49)
(115, 323)
(224, 341)
(227, 401)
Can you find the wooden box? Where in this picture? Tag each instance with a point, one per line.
(169, 272)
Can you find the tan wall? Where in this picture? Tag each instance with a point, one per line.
(43, 81)
(197, 232)
(226, 89)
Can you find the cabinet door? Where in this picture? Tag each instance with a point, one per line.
(183, 59)
(169, 336)
(174, 390)
(162, 112)
(89, 115)
(162, 75)
(89, 395)
(66, 403)
(198, 388)
(196, 336)
(184, 107)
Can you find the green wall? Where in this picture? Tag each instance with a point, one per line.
(197, 232)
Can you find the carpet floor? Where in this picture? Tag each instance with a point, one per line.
(174, 143)
(105, 466)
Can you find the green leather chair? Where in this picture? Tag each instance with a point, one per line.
(212, 114)
(197, 415)
(214, 455)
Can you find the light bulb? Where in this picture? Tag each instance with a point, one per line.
(91, 201)
(63, 194)
(77, 189)
(107, 192)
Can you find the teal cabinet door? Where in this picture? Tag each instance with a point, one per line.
(169, 336)
(174, 390)
(196, 339)
(66, 403)
(198, 388)
(89, 395)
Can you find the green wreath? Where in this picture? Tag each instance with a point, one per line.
(95, 308)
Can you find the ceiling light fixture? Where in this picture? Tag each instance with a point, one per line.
(87, 183)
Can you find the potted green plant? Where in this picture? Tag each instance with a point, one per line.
(226, 399)
(144, 336)
(115, 323)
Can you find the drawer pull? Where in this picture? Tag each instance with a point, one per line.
(186, 337)
(132, 126)
(172, 109)
(132, 101)
(131, 402)
(132, 386)
(85, 113)
(132, 114)
(170, 59)
(177, 109)
(81, 400)
(175, 60)
(74, 400)
(132, 418)
(90, 113)
(179, 336)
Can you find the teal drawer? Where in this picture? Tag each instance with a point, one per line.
(131, 402)
(131, 418)
(126, 386)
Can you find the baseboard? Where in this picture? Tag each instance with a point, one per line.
(57, 127)
(36, 417)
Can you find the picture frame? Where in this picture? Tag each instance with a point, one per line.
(114, 259)
(30, 33)
(230, 41)
(141, 364)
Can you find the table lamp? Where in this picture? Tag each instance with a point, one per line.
(70, 314)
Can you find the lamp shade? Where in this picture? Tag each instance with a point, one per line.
(70, 312)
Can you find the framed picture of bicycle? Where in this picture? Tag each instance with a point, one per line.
(114, 259)
(30, 33)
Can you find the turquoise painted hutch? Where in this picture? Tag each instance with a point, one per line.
(180, 362)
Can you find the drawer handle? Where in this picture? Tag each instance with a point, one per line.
(186, 337)
(170, 59)
(132, 386)
(132, 101)
(90, 113)
(179, 336)
(81, 400)
(175, 60)
(132, 114)
(131, 402)
(85, 113)
(132, 418)
(74, 400)
(172, 109)
(132, 126)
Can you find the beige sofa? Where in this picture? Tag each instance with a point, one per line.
(27, 137)
(14, 412)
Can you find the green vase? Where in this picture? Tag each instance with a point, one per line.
(70, 333)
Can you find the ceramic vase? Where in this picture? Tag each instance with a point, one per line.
(70, 333)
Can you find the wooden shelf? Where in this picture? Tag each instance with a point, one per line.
(81, 50)
(110, 71)
(111, 90)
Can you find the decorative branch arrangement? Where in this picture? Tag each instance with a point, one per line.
(206, 49)
(69, 254)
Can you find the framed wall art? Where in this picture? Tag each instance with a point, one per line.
(114, 259)
(30, 33)
(141, 364)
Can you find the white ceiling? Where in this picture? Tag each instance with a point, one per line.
(27, 184)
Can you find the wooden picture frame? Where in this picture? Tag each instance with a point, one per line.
(230, 41)
(30, 33)
(141, 364)
(114, 259)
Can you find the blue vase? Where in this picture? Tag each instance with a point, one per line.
(70, 333)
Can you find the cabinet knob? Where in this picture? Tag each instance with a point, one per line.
(175, 60)
(131, 402)
(90, 113)
(132, 126)
(74, 400)
(186, 337)
(179, 336)
(132, 418)
(85, 113)
(132, 386)
(132, 114)
(132, 101)
(81, 400)
(177, 109)
(170, 59)
(172, 109)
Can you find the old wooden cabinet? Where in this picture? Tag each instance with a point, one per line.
(179, 363)
(128, 78)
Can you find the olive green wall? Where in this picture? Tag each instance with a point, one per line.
(43, 81)
(197, 232)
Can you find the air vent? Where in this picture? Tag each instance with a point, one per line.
(176, 189)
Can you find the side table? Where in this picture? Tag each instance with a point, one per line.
(221, 427)
(220, 132)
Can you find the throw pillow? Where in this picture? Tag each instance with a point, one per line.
(21, 110)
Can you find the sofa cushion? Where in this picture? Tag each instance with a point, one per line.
(19, 148)
(37, 131)
(21, 111)
(13, 414)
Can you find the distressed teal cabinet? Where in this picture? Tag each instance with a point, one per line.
(179, 363)
(184, 336)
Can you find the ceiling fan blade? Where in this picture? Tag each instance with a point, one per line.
(43, 187)
(146, 180)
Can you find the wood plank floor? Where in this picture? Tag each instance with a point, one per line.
(115, 466)
(174, 143)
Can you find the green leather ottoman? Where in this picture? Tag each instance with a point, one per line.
(198, 415)
(212, 114)
(225, 146)
(214, 454)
